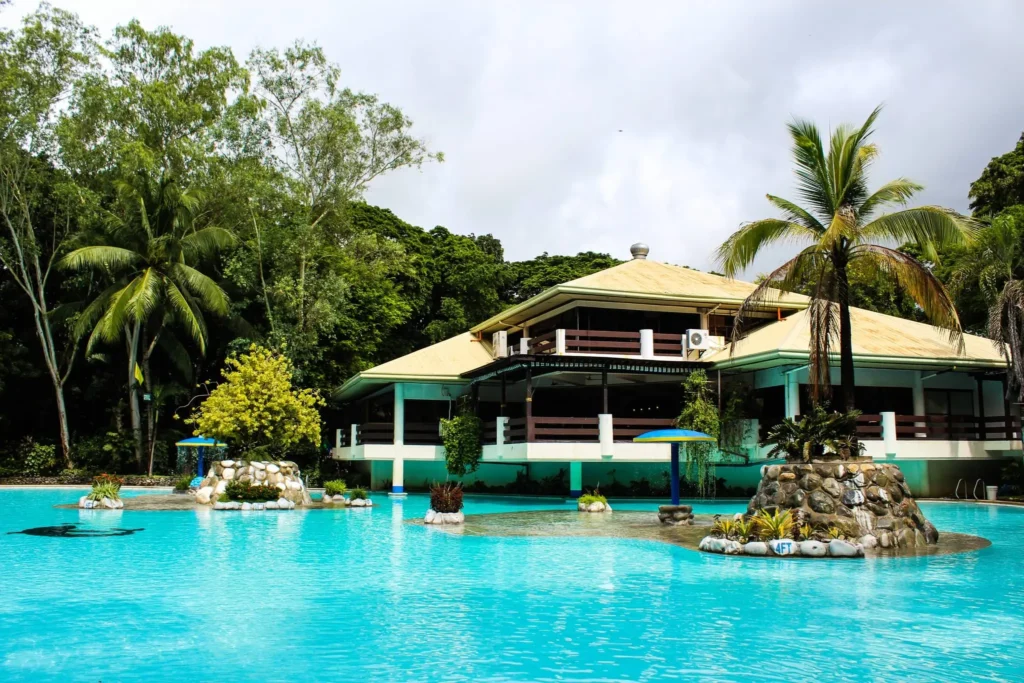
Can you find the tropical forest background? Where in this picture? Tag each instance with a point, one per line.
(163, 207)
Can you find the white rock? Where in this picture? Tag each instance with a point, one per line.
(109, 503)
(82, 501)
(227, 463)
(784, 546)
(705, 542)
(868, 541)
(120, 503)
(259, 506)
(259, 465)
(859, 480)
(247, 506)
(221, 506)
(235, 505)
(582, 507)
(733, 547)
(596, 506)
(738, 517)
(260, 475)
(607, 507)
(755, 548)
(429, 517)
(281, 485)
(839, 548)
(338, 498)
(220, 487)
(453, 517)
(294, 485)
(86, 503)
(203, 495)
(282, 503)
(813, 549)
(271, 505)
(272, 468)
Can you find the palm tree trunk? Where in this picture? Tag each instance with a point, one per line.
(846, 371)
(133, 393)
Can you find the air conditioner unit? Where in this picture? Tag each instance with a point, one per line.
(499, 344)
(698, 340)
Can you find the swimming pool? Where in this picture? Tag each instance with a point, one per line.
(360, 596)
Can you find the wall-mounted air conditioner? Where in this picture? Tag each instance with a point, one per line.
(697, 340)
(499, 344)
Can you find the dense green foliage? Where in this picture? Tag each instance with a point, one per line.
(815, 434)
(462, 437)
(163, 206)
(247, 492)
(336, 487)
(592, 497)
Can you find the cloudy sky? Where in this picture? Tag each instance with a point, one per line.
(589, 126)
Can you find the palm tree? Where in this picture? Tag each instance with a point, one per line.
(150, 252)
(996, 262)
(842, 224)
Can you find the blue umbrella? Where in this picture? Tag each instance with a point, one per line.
(674, 437)
(200, 442)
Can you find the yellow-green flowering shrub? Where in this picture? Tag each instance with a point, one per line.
(257, 406)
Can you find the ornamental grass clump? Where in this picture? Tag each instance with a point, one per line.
(336, 487)
(774, 525)
(183, 484)
(106, 486)
(592, 497)
(357, 494)
(446, 497)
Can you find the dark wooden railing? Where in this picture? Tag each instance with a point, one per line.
(423, 433)
(343, 437)
(625, 428)
(602, 341)
(375, 432)
(491, 432)
(516, 431)
(869, 427)
(667, 344)
(957, 427)
(543, 343)
(579, 429)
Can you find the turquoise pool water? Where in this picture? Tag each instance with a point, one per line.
(356, 595)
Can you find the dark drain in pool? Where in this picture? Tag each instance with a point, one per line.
(71, 531)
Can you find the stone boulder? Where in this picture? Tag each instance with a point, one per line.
(861, 498)
(284, 475)
(675, 515)
(434, 517)
(596, 506)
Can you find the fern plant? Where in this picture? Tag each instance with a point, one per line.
(774, 525)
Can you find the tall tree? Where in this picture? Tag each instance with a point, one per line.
(38, 205)
(144, 131)
(529, 278)
(843, 224)
(1001, 184)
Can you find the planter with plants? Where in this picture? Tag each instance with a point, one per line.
(334, 493)
(246, 495)
(593, 502)
(445, 504)
(359, 498)
(105, 494)
(183, 485)
(777, 534)
(283, 475)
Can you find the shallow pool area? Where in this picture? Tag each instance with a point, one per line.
(358, 594)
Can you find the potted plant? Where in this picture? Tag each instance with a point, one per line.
(105, 493)
(445, 504)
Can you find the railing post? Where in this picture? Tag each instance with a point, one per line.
(353, 437)
(524, 346)
(560, 342)
(529, 404)
(337, 439)
(647, 343)
(889, 432)
(499, 434)
(606, 434)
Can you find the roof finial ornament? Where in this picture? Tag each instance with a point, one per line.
(639, 250)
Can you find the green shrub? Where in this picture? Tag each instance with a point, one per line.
(462, 438)
(592, 497)
(357, 494)
(183, 484)
(101, 491)
(335, 488)
(771, 526)
(446, 497)
(246, 492)
(36, 458)
(223, 498)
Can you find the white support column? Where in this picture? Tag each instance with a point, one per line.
(647, 343)
(399, 414)
(337, 439)
(354, 435)
(398, 475)
(575, 479)
(499, 434)
(605, 434)
(560, 342)
(889, 432)
(919, 408)
(792, 396)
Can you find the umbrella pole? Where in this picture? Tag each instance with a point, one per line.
(674, 479)
(199, 465)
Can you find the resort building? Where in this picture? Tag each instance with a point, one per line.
(565, 380)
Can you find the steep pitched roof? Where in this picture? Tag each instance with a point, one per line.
(639, 280)
(877, 338)
(444, 361)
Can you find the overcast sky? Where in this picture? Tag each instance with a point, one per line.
(590, 126)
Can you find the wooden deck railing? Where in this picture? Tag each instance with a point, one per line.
(603, 342)
(625, 428)
(543, 343)
(957, 427)
(375, 432)
(668, 344)
(423, 433)
(869, 427)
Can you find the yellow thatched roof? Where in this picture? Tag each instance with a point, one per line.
(635, 281)
(877, 339)
(441, 362)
